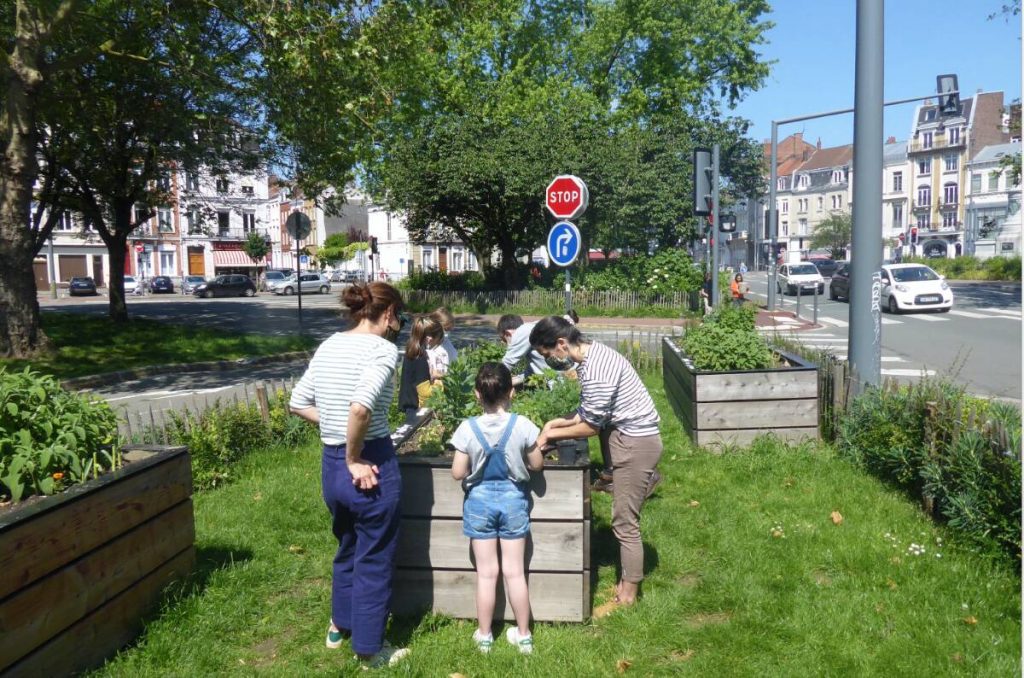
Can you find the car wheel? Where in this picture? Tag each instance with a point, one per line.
(325, 289)
(208, 294)
(893, 307)
(832, 293)
(945, 310)
(791, 290)
(288, 291)
(250, 292)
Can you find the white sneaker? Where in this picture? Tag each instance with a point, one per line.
(388, 656)
(483, 643)
(523, 643)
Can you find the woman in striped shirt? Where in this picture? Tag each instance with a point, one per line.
(347, 390)
(615, 405)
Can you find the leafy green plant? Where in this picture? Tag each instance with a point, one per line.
(547, 397)
(727, 340)
(49, 437)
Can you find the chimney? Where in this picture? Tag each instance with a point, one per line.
(890, 140)
(819, 143)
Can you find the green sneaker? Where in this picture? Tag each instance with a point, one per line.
(335, 637)
(523, 643)
(483, 643)
(388, 656)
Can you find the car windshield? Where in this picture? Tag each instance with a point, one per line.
(194, 278)
(275, 275)
(913, 274)
(129, 278)
(221, 279)
(803, 269)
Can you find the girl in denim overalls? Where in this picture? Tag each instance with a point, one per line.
(493, 456)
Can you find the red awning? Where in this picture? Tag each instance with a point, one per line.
(233, 258)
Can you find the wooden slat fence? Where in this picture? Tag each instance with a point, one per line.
(551, 300)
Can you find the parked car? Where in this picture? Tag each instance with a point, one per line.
(161, 283)
(190, 282)
(82, 286)
(839, 284)
(914, 287)
(227, 286)
(352, 276)
(271, 277)
(799, 278)
(311, 282)
(131, 285)
(826, 266)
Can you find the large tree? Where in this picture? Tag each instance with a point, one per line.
(834, 234)
(523, 90)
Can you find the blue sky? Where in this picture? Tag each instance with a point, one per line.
(813, 44)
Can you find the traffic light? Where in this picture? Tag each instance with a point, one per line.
(373, 244)
(702, 182)
(767, 224)
(728, 224)
(913, 235)
(949, 96)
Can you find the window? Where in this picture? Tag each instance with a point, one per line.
(821, 202)
(164, 220)
(785, 207)
(388, 238)
(1006, 246)
(247, 191)
(65, 222)
(801, 205)
(950, 193)
(975, 183)
(223, 222)
(803, 181)
(897, 182)
(223, 185)
(952, 162)
(191, 181)
(924, 167)
(163, 183)
(785, 228)
(456, 260)
(837, 202)
(924, 196)
(949, 219)
(993, 181)
(427, 260)
(167, 263)
(926, 140)
(470, 260)
(953, 135)
(249, 222)
(924, 220)
(897, 215)
(803, 227)
(195, 221)
(837, 176)
(929, 114)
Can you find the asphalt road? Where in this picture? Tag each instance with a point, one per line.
(978, 343)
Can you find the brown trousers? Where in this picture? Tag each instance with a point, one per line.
(632, 460)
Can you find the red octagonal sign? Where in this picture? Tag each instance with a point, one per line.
(567, 197)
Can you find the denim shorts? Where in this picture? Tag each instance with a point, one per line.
(496, 509)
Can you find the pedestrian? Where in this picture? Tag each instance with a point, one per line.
(515, 334)
(615, 406)
(738, 290)
(417, 379)
(447, 320)
(743, 267)
(494, 453)
(706, 290)
(347, 389)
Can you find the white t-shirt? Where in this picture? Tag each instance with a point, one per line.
(492, 426)
(438, 359)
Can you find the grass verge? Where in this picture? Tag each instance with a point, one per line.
(86, 345)
(749, 575)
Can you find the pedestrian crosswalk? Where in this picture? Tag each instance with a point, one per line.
(837, 346)
(974, 314)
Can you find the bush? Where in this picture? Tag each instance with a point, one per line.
(49, 437)
(958, 453)
(444, 281)
(972, 268)
(728, 340)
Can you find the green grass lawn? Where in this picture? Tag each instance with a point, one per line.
(748, 576)
(86, 345)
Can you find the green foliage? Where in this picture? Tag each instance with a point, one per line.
(444, 281)
(935, 442)
(727, 340)
(334, 250)
(667, 271)
(547, 397)
(49, 437)
(834, 234)
(255, 247)
(972, 268)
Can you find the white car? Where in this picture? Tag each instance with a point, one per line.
(131, 285)
(914, 287)
(799, 278)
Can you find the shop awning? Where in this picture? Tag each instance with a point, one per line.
(236, 258)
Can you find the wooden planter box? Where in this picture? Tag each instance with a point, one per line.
(434, 565)
(82, 568)
(737, 406)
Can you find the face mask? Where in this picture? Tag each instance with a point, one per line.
(559, 364)
(391, 334)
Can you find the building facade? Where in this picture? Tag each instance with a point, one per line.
(993, 202)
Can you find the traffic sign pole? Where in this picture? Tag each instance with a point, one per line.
(298, 281)
(716, 246)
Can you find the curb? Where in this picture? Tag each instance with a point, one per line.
(96, 380)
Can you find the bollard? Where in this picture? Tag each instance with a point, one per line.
(799, 295)
(815, 304)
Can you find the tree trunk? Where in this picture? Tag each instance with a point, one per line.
(20, 334)
(508, 263)
(117, 245)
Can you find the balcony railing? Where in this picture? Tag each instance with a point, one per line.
(939, 143)
(946, 205)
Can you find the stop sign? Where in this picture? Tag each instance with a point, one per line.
(566, 197)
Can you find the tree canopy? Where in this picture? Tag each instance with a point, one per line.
(834, 234)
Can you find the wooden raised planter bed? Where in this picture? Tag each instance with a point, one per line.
(81, 569)
(735, 407)
(434, 566)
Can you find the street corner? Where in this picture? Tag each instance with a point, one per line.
(782, 321)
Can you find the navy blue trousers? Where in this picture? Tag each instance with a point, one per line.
(366, 526)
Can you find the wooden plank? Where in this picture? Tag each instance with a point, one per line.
(769, 385)
(96, 637)
(37, 613)
(439, 543)
(32, 548)
(743, 437)
(757, 414)
(554, 596)
(556, 494)
(681, 402)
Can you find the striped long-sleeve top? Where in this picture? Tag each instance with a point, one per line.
(612, 394)
(349, 368)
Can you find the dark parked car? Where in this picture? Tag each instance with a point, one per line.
(84, 286)
(161, 283)
(826, 267)
(227, 286)
(839, 285)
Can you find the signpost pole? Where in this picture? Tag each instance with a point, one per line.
(715, 226)
(298, 280)
(568, 291)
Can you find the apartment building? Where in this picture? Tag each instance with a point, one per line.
(992, 204)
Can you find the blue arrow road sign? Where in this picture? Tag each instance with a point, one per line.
(563, 243)
(304, 259)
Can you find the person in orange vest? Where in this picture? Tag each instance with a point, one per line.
(738, 289)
